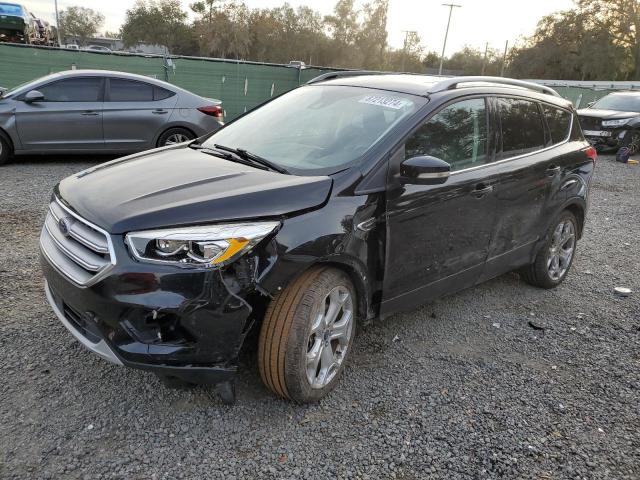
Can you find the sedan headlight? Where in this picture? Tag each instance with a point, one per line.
(615, 123)
(210, 246)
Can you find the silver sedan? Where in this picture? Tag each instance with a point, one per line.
(95, 111)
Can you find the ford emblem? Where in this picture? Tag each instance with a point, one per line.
(65, 225)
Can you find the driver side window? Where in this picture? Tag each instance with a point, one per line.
(456, 134)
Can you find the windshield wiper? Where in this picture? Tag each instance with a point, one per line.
(252, 157)
(224, 155)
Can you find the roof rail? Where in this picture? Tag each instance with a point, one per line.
(451, 83)
(341, 74)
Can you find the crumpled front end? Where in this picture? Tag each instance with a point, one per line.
(188, 323)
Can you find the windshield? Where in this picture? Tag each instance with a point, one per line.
(321, 128)
(10, 9)
(621, 103)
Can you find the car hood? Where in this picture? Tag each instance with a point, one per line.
(182, 186)
(606, 114)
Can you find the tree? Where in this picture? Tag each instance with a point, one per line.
(80, 22)
(566, 45)
(371, 38)
(161, 22)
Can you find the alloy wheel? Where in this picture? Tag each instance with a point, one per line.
(176, 138)
(330, 337)
(561, 250)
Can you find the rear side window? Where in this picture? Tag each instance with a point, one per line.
(522, 126)
(559, 123)
(73, 90)
(162, 93)
(121, 90)
(456, 134)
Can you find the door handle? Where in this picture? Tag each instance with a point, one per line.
(552, 171)
(159, 111)
(89, 113)
(481, 190)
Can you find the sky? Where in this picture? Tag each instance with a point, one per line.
(475, 23)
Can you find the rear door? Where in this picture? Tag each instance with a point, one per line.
(135, 113)
(438, 235)
(527, 173)
(69, 117)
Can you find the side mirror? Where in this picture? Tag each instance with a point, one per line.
(34, 96)
(424, 170)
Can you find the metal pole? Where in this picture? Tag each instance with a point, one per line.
(57, 23)
(504, 58)
(484, 60)
(444, 45)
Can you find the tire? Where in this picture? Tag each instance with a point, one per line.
(295, 327)
(632, 141)
(5, 150)
(554, 260)
(175, 135)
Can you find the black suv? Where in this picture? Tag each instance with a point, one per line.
(350, 198)
(613, 122)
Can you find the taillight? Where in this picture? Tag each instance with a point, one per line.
(591, 153)
(212, 110)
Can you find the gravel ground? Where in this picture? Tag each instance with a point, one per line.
(469, 389)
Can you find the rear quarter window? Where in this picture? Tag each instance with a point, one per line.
(522, 126)
(559, 123)
(160, 93)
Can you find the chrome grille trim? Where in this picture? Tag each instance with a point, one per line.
(83, 253)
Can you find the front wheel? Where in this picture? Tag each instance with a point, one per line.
(307, 335)
(5, 151)
(554, 259)
(175, 135)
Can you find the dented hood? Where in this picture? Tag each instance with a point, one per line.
(182, 186)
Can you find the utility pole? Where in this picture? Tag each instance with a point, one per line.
(504, 58)
(484, 60)
(444, 45)
(404, 48)
(57, 23)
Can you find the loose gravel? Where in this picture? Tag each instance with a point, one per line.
(500, 381)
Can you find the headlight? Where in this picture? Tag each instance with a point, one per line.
(211, 246)
(615, 123)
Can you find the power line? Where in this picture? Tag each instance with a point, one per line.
(444, 45)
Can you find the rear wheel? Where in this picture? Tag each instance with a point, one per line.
(554, 259)
(5, 150)
(175, 135)
(306, 335)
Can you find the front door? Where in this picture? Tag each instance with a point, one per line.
(134, 114)
(69, 117)
(438, 236)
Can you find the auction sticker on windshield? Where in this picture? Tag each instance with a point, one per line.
(386, 101)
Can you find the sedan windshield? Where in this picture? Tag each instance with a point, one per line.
(319, 128)
(621, 103)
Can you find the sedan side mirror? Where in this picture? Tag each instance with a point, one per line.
(34, 96)
(424, 170)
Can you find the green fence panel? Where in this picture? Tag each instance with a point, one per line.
(240, 85)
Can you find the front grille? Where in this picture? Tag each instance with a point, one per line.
(79, 250)
(590, 123)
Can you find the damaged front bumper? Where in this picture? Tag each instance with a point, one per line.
(182, 323)
(613, 138)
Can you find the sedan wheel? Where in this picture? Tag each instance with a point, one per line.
(174, 136)
(307, 335)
